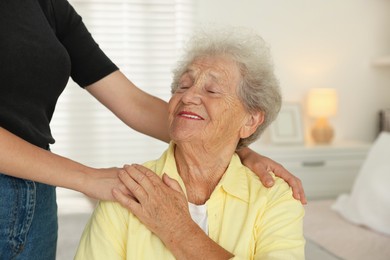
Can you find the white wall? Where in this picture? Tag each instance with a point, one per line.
(321, 43)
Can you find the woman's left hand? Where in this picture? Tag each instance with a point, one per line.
(160, 204)
(262, 165)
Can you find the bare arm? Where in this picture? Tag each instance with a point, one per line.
(21, 159)
(136, 108)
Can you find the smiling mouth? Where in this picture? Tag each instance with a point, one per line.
(190, 115)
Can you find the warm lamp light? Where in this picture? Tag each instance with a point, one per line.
(321, 104)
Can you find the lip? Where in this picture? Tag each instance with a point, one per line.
(190, 115)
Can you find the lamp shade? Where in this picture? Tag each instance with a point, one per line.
(322, 102)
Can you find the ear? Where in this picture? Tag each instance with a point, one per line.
(253, 121)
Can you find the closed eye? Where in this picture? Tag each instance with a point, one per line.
(212, 90)
(182, 87)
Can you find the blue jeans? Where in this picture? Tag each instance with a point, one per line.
(28, 220)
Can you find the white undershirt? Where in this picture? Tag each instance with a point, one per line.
(199, 215)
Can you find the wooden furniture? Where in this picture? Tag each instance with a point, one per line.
(325, 170)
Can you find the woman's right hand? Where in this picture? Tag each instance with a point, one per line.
(100, 183)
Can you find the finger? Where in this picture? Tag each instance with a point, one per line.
(266, 178)
(264, 172)
(294, 182)
(122, 187)
(128, 202)
(152, 176)
(301, 192)
(297, 188)
(303, 198)
(172, 183)
(140, 176)
(134, 187)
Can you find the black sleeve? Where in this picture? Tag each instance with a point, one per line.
(88, 61)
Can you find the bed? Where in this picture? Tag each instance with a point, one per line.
(355, 225)
(330, 236)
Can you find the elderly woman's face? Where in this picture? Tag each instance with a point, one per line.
(205, 106)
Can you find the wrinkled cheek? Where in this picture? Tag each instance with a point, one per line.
(215, 131)
(204, 134)
(221, 127)
(228, 127)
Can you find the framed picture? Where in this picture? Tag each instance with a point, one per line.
(287, 128)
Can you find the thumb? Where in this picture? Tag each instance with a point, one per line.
(172, 183)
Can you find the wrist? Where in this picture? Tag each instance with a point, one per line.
(244, 152)
(82, 179)
(178, 236)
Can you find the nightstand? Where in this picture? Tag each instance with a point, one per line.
(325, 170)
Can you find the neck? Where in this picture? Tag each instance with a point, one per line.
(201, 168)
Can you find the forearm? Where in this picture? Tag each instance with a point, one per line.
(136, 108)
(21, 159)
(192, 243)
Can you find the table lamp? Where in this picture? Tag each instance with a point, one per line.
(322, 104)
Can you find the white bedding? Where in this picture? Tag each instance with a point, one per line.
(368, 203)
(332, 232)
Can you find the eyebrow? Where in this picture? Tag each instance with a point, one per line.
(215, 77)
(212, 74)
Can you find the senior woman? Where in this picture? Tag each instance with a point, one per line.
(210, 206)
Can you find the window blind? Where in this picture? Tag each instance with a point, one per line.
(144, 38)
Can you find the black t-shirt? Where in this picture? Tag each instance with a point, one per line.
(42, 43)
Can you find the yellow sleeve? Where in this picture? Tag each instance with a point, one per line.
(105, 235)
(280, 228)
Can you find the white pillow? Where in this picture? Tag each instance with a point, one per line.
(369, 201)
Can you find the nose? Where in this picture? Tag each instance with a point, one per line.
(192, 96)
